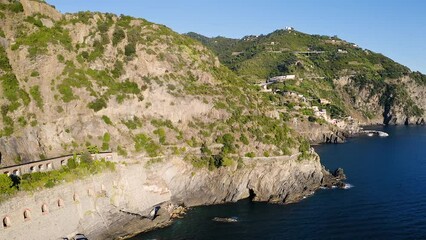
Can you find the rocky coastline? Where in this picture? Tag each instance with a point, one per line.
(278, 181)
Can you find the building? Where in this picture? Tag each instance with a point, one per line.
(281, 78)
(322, 114)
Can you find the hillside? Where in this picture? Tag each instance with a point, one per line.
(358, 82)
(106, 82)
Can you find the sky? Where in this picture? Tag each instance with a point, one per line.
(395, 28)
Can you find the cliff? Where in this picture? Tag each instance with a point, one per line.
(97, 206)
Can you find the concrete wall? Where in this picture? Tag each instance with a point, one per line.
(91, 206)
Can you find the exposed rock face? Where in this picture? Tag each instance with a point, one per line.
(98, 206)
(334, 179)
(383, 105)
(273, 180)
(34, 7)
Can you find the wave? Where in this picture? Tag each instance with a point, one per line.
(348, 186)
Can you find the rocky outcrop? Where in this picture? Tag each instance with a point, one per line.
(110, 205)
(334, 179)
(34, 7)
(283, 180)
(337, 137)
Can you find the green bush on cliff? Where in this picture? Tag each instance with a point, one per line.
(36, 95)
(5, 185)
(105, 141)
(304, 149)
(97, 104)
(38, 41)
(106, 119)
(143, 142)
(117, 36)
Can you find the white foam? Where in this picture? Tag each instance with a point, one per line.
(348, 185)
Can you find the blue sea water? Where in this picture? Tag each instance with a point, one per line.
(387, 200)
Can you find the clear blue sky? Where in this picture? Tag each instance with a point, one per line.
(396, 28)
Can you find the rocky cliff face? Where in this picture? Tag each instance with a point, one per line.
(397, 102)
(72, 81)
(100, 206)
(280, 180)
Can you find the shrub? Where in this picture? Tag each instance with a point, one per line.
(129, 49)
(121, 151)
(133, 123)
(143, 142)
(118, 69)
(103, 27)
(36, 95)
(244, 139)
(161, 135)
(117, 36)
(97, 104)
(5, 185)
(107, 120)
(16, 7)
(105, 141)
(35, 74)
(22, 121)
(250, 155)
(66, 92)
(228, 143)
(93, 149)
(60, 58)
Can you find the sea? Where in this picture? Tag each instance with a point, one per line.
(386, 198)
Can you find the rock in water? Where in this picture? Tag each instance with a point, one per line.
(339, 174)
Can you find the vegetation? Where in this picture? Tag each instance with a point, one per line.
(36, 95)
(133, 123)
(107, 120)
(39, 40)
(74, 170)
(97, 104)
(282, 52)
(143, 142)
(118, 35)
(14, 6)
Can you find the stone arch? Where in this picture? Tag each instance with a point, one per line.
(16, 172)
(33, 169)
(41, 167)
(49, 166)
(63, 162)
(6, 222)
(44, 209)
(27, 214)
(60, 202)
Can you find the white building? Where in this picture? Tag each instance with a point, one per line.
(281, 78)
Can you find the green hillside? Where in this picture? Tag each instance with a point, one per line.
(320, 62)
